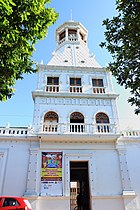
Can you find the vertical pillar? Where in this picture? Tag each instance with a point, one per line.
(66, 34)
(33, 178)
(78, 34)
(128, 193)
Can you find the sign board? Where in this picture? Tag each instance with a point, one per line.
(51, 174)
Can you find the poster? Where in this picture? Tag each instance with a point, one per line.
(51, 174)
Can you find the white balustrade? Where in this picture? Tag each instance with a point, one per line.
(76, 89)
(79, 128)
(72, 37)
(52, 88)
(131, 133)
(15, 131)
(104, 128)
(99, 90)
(50, 128)
(70, 128)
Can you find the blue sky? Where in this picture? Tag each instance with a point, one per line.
(18, 111)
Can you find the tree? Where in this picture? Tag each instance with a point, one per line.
(122, 40)
(22, 24)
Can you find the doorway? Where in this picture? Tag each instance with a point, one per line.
(79, 186)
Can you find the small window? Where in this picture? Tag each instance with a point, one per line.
(75, 81)
(75, 85)
(97, 82)
(10, 202)
(52, 81)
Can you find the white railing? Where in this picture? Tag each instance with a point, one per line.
(105, 128)
(52, 88)
(15, 131)
(72, 37)
(51, 128)
(76, 89)
(78, 128)
(99, 90)
(131, 133)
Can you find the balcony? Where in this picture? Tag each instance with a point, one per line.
(79, 128)
(76, 89)
(99, 90)
(52, 88)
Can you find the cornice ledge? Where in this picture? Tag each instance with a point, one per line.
(73, 95)
(130, 139)
(129, 194)
(78, 68)
(106, 196)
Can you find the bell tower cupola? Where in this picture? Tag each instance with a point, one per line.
(71, 46)
(71, 32)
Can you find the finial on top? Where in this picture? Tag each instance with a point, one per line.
(71, 19)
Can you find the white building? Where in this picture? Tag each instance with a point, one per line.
(74, 145)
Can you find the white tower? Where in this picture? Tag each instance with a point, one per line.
(74, 92)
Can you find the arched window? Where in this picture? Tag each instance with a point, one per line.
(50, 122)
(76, 117)
(77, 122)
(51, 117)
(102, 120)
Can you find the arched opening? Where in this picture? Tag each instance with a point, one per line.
(102, 121)
(77, 122)
(50, 122)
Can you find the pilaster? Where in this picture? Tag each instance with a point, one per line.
(33, 172)
(128, 194)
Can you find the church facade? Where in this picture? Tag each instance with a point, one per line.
(74, 147)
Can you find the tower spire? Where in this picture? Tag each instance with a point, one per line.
(71, 17)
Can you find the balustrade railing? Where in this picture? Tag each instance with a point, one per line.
(99, 90)
(52, 88)
(131, 133)
(15, 131)
(105, 128)
(76, 89)
(72, 37)
(50, 128)
(78, 128)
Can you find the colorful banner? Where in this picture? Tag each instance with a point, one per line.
(51, 166)
(51, 174)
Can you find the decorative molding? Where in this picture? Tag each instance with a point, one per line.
(76, 101)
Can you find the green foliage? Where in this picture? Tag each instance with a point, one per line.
(22, 24)
(122, 40)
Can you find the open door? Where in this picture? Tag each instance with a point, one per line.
(79, 187)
